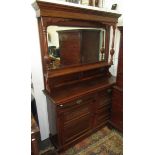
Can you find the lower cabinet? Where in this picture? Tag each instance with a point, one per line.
(80, 117)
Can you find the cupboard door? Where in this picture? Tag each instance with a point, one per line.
(77, 127)
(76, 118)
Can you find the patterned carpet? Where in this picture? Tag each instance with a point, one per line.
(103, 142)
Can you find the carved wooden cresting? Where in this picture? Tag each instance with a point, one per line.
(79, 95)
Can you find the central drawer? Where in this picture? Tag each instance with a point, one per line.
(76, 108)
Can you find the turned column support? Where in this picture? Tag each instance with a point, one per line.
(102, 50)
(46, 58)
(107, 41)
(112, 51)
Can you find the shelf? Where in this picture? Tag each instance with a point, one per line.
(69, 70)
(67, 93)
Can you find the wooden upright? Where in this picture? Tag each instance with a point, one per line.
(79, 96)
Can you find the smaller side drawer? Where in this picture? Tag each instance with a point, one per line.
(103, 115)
(104, 111)
(102, 119)
(104, 98)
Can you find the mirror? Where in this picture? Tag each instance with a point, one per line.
(70, 46)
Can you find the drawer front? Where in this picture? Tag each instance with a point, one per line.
(102, 119)
(76, 111)
(103, 115)
(77, 102)
(104, 98)
(76, 128)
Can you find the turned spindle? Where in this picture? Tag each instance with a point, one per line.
(112, 51)
(47, 59)
(91, 2)
(102, 50)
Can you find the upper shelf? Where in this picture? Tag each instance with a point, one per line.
(61, 96)
(50, 9)
(75, 69)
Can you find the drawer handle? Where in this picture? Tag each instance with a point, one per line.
(61, 105)
(78, 101)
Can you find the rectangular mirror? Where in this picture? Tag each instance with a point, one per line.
(70, 46)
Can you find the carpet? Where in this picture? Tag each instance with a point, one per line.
(103, 142)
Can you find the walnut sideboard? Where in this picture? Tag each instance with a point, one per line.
(78, 94)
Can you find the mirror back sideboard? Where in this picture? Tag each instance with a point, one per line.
(78, 95)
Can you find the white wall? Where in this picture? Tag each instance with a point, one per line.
(37, 77)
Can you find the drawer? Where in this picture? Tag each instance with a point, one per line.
(103, 103)
(76, 108)
(76, 102)
(104, 110)
(102, 119)
(105, 93)
(103, 115)
(104, 98)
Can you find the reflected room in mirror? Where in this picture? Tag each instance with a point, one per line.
(72, 46)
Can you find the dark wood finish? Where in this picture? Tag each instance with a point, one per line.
(79, 95)
(58, 14)
(117, 100)
(75, 46)
(50, 9)
(80, 116)
(75, 69)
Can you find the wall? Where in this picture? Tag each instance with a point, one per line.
(37, 76)
(37, 79)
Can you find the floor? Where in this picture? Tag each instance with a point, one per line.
(46, 148)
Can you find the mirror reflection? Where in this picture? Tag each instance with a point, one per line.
(69, 46)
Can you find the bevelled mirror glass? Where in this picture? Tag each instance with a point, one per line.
(70, 46)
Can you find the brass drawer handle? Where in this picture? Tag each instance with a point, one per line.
(61, 105)
(79, 101)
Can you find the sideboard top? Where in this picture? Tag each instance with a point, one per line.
(51, 9)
